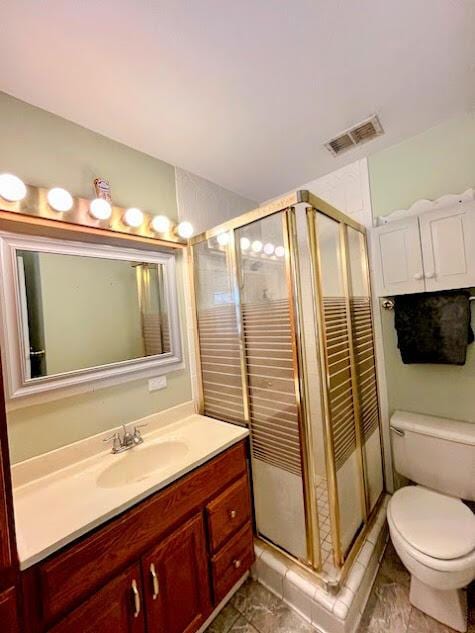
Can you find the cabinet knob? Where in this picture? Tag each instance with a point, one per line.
(232, 514)
(430, 274)
(418, 276)
(236, 563)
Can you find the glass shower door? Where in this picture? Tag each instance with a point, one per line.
(268, 331)
(343, 428)
(223, 394)
(365, 360)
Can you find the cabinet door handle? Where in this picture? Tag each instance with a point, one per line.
(430, 274)
(237, 563)
(156, 587)
(418, 276)
(232, 514)
(136, 594)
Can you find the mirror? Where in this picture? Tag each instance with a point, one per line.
(80, 311)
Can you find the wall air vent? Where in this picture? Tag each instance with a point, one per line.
(358, 134)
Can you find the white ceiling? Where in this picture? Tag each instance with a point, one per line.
(242, 92)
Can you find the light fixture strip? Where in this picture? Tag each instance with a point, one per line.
(41, 202)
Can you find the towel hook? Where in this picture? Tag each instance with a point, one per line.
(388, 304)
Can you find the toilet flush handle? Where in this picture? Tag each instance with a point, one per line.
(398, 431)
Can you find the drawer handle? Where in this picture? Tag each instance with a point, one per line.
(236, 563)
(136, 593)
(156, 587)
(233, 514)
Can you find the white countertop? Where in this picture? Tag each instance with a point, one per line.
(59, 497)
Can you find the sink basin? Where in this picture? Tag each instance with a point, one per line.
(140, 462)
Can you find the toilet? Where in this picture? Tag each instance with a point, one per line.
(432, 529)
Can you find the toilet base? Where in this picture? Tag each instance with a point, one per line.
(448, 607)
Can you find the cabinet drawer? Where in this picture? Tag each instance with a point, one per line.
(228, 512)
(232, 561)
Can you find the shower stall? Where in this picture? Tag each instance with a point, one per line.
(285, 347)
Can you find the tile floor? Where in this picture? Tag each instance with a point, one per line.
(253, 609)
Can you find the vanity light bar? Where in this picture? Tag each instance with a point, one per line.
(58, 204)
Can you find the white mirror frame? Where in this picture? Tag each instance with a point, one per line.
(18, 388)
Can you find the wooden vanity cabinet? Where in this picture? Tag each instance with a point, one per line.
(160, 567)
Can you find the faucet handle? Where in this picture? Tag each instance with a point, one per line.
(137, 434)
(111, 437)
(116, 443)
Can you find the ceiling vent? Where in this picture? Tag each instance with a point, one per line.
(361, 133)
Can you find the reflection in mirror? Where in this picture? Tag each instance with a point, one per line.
(79, 312)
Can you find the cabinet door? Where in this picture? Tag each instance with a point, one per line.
(177, 582)
(116, 608)
(447, 244)
(8, 612)
(397, 256)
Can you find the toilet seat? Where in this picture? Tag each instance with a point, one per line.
(449, 573)
(436, 525)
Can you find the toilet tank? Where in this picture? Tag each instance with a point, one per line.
(435, 452)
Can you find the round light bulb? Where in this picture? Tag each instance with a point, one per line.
(279, 251)
(256, 246)
(100, 209)
(12, 188)
(185, 230)
(269, 248)
(133, 217)
(245, 243)
(161, 224)
(60, 200)
(223, 239)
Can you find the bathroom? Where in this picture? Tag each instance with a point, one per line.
(236, 334)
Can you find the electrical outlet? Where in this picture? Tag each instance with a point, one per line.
(160, 382)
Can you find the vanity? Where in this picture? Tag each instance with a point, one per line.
(152, 530)
(161, 565)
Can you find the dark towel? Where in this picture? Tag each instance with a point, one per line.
(434, 327)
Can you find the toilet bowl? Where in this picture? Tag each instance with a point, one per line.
(432, 530)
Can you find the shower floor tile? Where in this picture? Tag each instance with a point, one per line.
(324, 526)
(254, 609)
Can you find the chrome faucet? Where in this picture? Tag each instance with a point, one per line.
(127, 440)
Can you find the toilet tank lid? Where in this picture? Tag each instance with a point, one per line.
(443, 428)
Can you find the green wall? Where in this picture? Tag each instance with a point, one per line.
(429, 165)
(46, 150)
(437, 162)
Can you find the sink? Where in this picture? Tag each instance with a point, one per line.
(140, 462)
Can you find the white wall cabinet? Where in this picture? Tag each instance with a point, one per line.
(428, 252)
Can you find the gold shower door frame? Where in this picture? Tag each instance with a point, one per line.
(286, 207)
